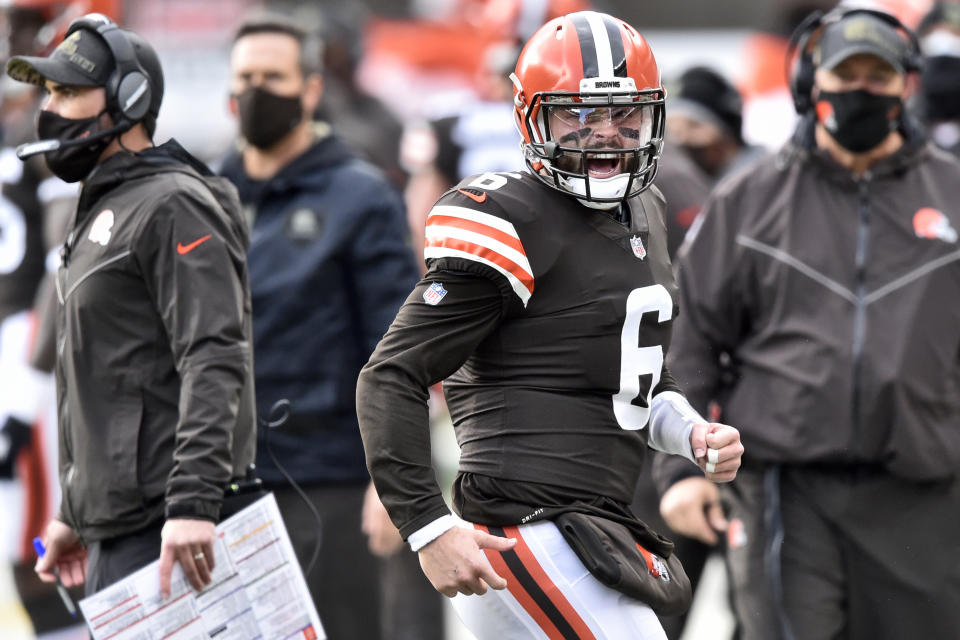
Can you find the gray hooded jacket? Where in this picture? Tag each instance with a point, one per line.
(838, 302)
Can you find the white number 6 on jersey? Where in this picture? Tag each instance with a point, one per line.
(493, 181)
(636, 361)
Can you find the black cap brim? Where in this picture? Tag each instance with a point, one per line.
(36, 70)
(863, 48)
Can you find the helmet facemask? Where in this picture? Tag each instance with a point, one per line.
(588, 103)
(599, 146)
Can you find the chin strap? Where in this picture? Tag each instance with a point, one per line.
(600, 206)
(614, 187)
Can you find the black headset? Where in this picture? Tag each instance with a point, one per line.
(128, 88)
(805, 37)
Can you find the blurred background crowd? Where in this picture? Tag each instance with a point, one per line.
(420, 89)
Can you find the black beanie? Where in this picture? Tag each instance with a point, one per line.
(704, 94)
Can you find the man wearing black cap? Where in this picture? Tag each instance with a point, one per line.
(705, 118)
(828, 280)
(154, 375)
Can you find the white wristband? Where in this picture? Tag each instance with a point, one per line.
(671, 421)
(430, 532)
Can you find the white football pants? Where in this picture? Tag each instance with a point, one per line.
(550, 595)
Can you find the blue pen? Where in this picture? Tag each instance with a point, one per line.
(62, 590)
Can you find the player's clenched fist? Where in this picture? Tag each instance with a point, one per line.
(717, 450)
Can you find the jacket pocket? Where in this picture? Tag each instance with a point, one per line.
(107, 490)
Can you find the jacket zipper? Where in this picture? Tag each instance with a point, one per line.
(60, 281)
(860, 316)
(56, 281)
(67, 504)
(64, 263)
(63, 293)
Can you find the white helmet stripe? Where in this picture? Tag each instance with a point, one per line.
(602, 43)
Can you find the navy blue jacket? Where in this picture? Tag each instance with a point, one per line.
(330, 265)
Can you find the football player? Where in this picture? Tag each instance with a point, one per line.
(546, 308)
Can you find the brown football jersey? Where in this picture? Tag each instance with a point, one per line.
(560, 392)
(554, 360)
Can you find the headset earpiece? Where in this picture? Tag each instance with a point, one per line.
(128, 88)
(801, 76)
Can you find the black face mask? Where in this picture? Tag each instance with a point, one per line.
(266, 118)
(941, 87)
(73, 163)
(858, 120)
(705, 157)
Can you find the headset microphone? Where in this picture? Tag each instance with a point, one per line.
(30, 149)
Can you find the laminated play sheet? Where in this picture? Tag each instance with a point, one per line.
(257, 591)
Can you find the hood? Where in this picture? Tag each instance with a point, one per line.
(169, 157)
(306, 170)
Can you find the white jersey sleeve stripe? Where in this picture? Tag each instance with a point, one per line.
(474, 216)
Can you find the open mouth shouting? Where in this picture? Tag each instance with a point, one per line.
(603, 165)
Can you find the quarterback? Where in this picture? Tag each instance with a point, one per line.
(546, 310)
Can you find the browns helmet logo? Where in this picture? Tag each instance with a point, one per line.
(931, 223)
(655, 564)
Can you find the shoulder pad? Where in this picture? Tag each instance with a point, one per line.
(468, 223)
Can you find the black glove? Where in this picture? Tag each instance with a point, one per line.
(14, 436)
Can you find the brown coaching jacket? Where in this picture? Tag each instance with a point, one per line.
(838, 302)
(154, 369)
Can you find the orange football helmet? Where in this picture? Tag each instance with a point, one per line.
(590, 107)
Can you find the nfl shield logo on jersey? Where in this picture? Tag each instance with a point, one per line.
(637, 245)
(434, 294)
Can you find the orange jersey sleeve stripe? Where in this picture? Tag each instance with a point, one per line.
(454, 231)
(462, 223)
(487, 254)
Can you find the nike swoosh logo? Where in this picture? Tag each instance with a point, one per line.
(184, 249)
(474, 196)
